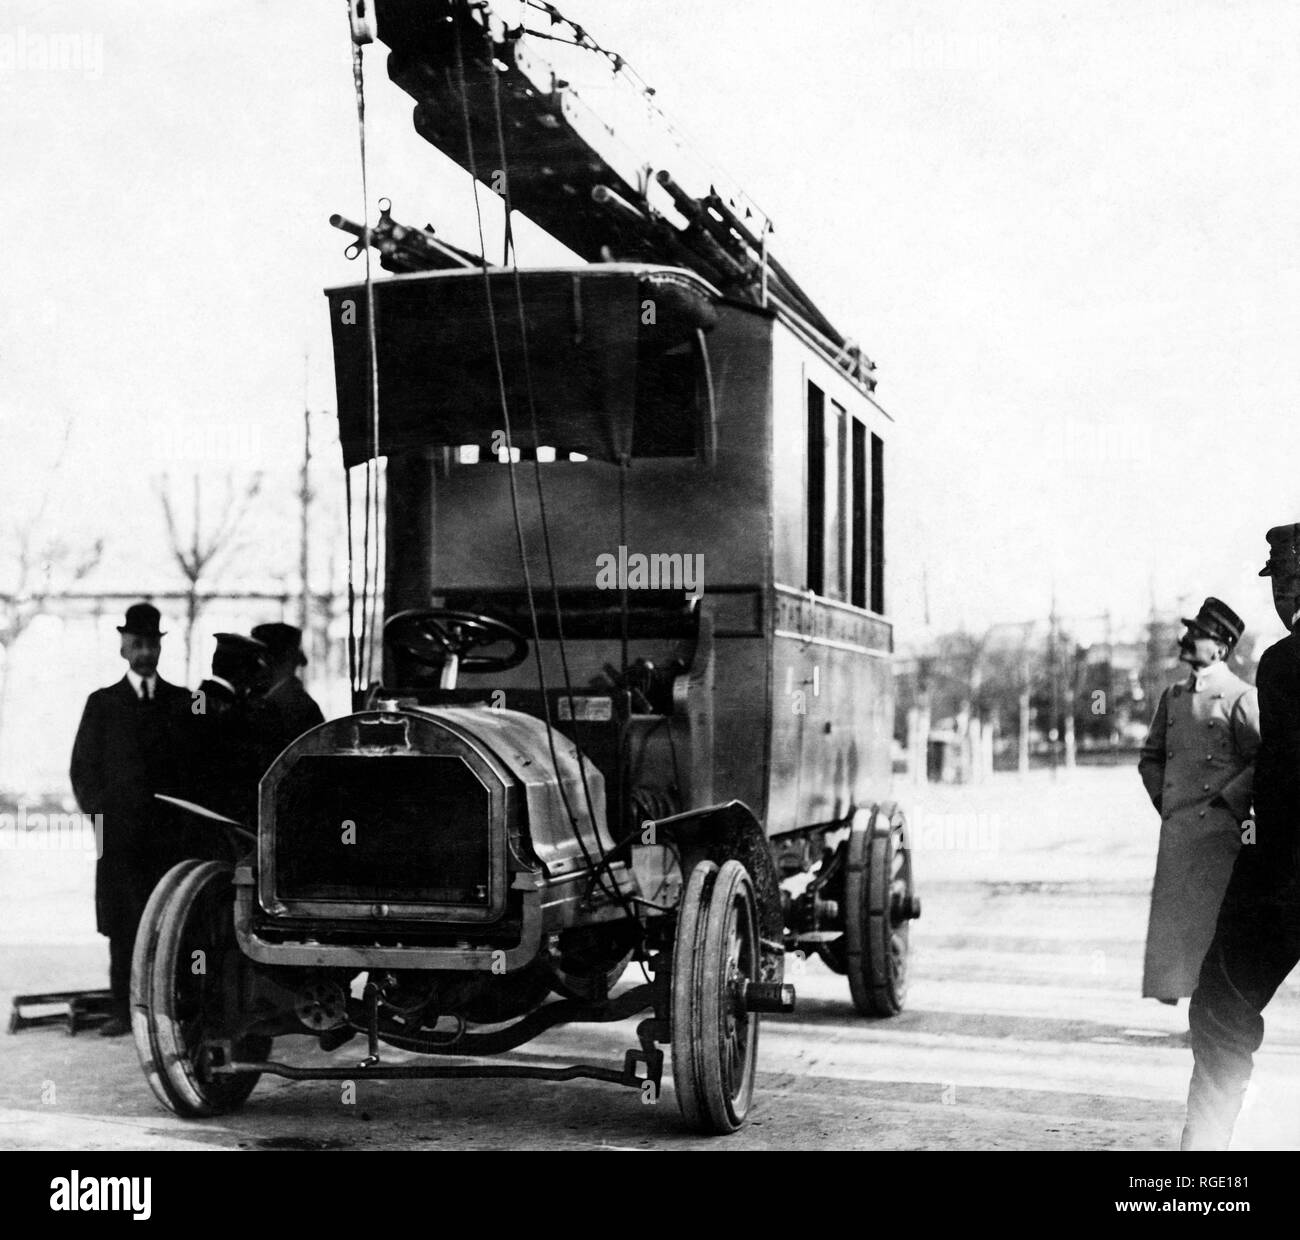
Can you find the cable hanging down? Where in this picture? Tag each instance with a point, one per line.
(361, 647)
(613, 891)
(361, 665)
(537, 481)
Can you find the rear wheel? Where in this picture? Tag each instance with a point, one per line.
(881, 903)
(182, 949)
(832, 956)
(715, 1040)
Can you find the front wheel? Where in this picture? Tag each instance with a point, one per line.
(184, 944)
(715, 1040)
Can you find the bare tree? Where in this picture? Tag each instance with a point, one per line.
(44, 565)
(199, 555)
(958, 668)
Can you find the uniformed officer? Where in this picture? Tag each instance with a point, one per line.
(294, 707)
(1257, 939)
(1197, 765)
(132, 743)
(237, 731)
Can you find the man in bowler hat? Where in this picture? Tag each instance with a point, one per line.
(132, 743)
(294, 707)
(1197, 765)
(1257, 939)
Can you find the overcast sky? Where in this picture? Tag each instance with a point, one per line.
(1066, 232)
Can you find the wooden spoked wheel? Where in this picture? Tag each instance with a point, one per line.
(881, 903)
(182, 950)
(714, 1038)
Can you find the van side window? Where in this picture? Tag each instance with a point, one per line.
(816, 484)
(858, 577)
(836, 503)
(877, 524)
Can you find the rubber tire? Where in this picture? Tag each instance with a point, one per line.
(714, 899)
(877, 984)
(832, 955)
(174, 1075)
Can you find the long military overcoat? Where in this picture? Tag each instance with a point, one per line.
(1197, 765)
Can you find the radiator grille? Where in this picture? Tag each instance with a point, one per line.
(384, 829)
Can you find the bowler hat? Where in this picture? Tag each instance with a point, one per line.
(281, 639)
(1217, 620)
(1283, 552)
(141, 621)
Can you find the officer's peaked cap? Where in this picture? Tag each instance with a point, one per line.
(1217, 620)
(280, 639)
(1283, 552)
(238, 644)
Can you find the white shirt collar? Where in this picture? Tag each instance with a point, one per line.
(137, 680)
(1202, 676)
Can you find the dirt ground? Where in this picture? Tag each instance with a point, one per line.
(1024, 1027)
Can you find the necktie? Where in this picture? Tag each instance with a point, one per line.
(145, 695)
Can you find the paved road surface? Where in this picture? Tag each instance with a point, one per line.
(1024, 1029)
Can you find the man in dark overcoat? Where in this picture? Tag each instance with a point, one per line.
(132, 743)
(237, 731)
(1257, 939)
(295, 710)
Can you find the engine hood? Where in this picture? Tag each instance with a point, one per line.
(520, 742)
(504, 748)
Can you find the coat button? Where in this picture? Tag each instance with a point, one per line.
(1205, 787)
(1202, 814)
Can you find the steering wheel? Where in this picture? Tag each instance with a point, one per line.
(445, 639)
